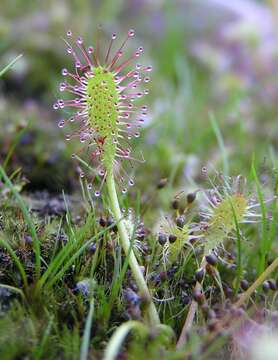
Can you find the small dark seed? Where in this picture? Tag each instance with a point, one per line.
(244, 284)
(162, 238)
(211, 259)
(172, 238)
(191, 197)
(199, 275)
(162, 183)
(180, 221)
(272, 284)
(228, 291)
(175, 204)
(92, 248)
(265, 286)
(28, 239)
(109, 221)
(102, 222)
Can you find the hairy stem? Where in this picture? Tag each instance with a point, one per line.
(126, 245)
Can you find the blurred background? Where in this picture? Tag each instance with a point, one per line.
(214, 91)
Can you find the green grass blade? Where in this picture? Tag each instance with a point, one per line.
(10, 65)
(117, 339)
(58, 261)
(55, 274)
(264, 241)
(66, 266)
(55, 264)
(13, 289)
(119, 277)
(87, 333)
(117, 282)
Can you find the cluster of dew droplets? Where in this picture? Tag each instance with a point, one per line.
(85, 60)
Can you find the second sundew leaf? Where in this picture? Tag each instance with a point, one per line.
(222, 221)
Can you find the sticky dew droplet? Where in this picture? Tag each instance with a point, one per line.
(131, 33)
(61, 123)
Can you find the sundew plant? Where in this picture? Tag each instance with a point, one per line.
(115, 265)
(107, 120)
(104, 92)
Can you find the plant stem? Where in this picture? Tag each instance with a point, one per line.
(126, 245)
(191, 312)
(189, 320)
